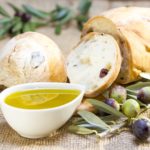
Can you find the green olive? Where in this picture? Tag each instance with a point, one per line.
(131, 108)
(118, 93)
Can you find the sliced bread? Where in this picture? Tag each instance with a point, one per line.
(95, 62)
(130, 26)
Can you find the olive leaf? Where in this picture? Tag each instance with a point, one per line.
(106, 108)
(110, 118)
(3, 12)
(14, 23)
(132, 92)
(66, 19)
(59, 13)
(5, 20)
(81, 19)
(63, 21)
(93, 119)
(87, 125)
(4, 30)
(35, 25)
(90, 126)
(131, 96)
(27, 27)
(145, 75)
(17, 27)
(138, 85)
(31, 26)
(78, 120)
(15, 8)
(81, 130)
(58, 29)
(84, 6)
(35, 12)
(106, 119)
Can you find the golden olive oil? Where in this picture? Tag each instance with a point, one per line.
(41, 98)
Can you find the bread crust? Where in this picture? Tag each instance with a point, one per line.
(131, 28)
(115, 72)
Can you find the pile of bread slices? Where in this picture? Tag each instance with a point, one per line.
(114, 47)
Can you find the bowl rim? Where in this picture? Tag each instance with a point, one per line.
(75, 86)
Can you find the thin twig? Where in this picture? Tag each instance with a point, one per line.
(148, 107)
(112, 130)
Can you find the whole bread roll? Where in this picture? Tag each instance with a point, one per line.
(131, 28)
(31, 57)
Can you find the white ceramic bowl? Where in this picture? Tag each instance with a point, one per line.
(39, 123)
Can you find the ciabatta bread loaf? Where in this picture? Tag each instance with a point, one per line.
(31, 57)
(130, 26)
(95, 62)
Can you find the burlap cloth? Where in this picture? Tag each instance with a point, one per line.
(62, 140)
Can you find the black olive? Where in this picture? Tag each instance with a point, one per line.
(113, 103)
(141, 128)
(103, 73)
(25, 17)
(144, 95)
(18, 14)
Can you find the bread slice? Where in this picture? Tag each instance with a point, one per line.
(130, 26)
(100, 24)
(95, 62)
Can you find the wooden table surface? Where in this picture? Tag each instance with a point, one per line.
(10, 140)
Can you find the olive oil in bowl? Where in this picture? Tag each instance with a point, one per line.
(39, 112)
(41, 98)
